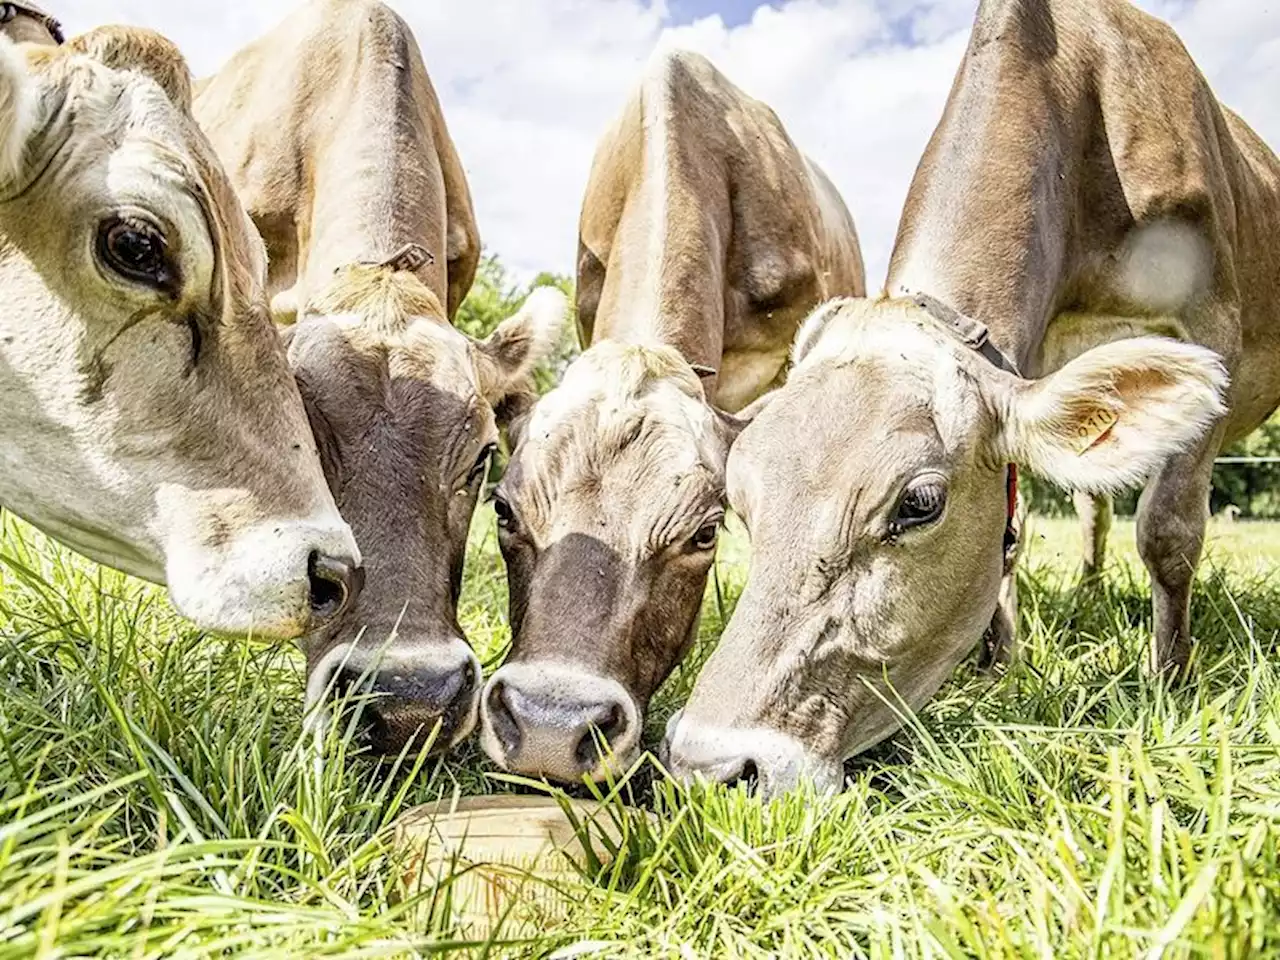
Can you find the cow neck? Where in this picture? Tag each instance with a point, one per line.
(976, 337)
(986, 223)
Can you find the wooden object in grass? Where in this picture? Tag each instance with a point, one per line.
(513, 857)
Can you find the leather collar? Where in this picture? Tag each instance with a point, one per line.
(972, 332)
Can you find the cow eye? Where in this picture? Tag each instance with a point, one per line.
(707, 535)
(136, 250)
(506, 516)
(921, 504)
(482, 465)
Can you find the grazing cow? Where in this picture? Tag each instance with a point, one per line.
(150, 420)
(705, 238)
(336, 143)
(1088, 200)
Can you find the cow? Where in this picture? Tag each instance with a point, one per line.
(1086, 214)
(705, 238)
(337, 145)
(150, 421)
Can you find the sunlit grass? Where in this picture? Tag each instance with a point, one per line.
(158, 795)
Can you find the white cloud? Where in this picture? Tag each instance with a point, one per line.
(529, 85)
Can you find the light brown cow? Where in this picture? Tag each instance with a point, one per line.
(1083, 188)
(336, 142)
(150, 421)
(705, 238)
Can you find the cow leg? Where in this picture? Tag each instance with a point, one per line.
(1095, 523)
(1172, 516)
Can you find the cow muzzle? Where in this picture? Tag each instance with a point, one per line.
(281, 579)
(557, 722)
(407, 695)
(767, 760)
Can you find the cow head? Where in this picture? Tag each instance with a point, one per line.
(402, 407)
(608, 519)
(150, 420)
(873, 487)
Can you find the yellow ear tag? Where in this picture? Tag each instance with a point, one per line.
(1093, 429)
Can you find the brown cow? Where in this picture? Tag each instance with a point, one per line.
(337, 145)
(705, 238)
(150, 421)
(1083, 192)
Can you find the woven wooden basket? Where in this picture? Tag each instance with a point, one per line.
(509, 857)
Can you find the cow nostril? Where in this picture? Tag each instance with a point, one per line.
(333, 586)
(373, 729)
(503, 719)
(600, 735)
(748, 776)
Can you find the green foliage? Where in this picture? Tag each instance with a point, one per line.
(1253, 487)
(495, 296)
(158, 796)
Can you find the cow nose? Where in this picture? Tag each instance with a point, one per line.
(537, 730)
(333, 585)
(768, 761)
(405, 704)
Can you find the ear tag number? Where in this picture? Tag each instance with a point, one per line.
(1093, 429)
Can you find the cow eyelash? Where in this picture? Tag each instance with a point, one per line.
(922, 503)
(481, 466)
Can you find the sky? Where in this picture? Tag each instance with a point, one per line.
(528, 86)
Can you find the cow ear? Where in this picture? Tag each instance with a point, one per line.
(814, 326)
(507, 357)
(1109, 419)
(19, 110)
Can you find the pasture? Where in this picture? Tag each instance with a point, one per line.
(156, 799)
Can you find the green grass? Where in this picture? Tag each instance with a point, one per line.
(158, 796)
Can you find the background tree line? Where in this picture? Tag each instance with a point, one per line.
(1252, 488)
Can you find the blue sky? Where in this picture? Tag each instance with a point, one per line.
(733, 12)
(528, 86)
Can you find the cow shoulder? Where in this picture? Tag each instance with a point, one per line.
(1164, 127)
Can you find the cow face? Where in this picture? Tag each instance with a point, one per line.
(402, 407)
(873, 487)
(608, 518)
(150, 420)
